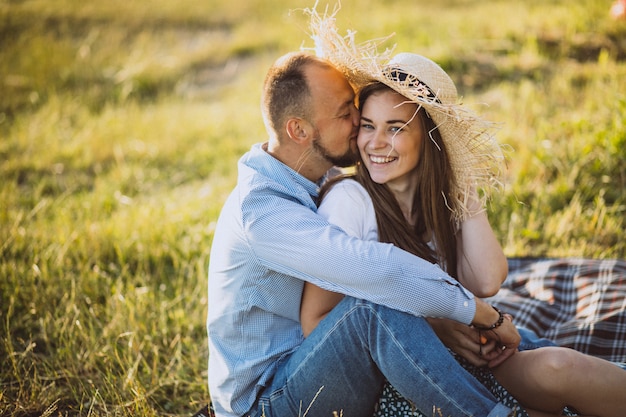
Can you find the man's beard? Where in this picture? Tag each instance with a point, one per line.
(347, 159)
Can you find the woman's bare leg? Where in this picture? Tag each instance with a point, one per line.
(549, 378)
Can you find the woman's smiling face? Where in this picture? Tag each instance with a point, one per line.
(390, 139)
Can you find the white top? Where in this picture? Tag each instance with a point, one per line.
(348, 205)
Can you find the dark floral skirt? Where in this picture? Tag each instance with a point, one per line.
(392, 404)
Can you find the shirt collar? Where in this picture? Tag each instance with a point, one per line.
(267, 165)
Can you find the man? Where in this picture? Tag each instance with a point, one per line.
(269, 240)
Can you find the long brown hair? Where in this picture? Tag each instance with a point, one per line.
(433, 216)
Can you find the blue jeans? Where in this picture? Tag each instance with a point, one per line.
(531, 341)
(344, 363)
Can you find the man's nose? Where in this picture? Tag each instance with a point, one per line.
(356, 116)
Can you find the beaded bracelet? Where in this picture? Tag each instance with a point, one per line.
(495, 325)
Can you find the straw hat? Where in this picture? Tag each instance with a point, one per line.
(476, 157)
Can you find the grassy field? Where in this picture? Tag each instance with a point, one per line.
(121, 123)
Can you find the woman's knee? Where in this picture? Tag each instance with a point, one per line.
(558, 366)
(560, 359)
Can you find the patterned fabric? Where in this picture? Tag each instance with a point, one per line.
(577, 303)
(392, 404)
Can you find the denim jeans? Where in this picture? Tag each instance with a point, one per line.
(531, 341)
(342, 366)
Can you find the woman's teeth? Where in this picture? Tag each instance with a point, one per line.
(381, 159)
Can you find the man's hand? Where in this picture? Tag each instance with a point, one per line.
(504, 335)
(464, 340)
(505, 341)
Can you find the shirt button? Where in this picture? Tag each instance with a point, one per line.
(465, 304)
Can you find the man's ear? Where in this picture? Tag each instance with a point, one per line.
(297, 129)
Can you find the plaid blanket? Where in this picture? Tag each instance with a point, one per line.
(577, 303)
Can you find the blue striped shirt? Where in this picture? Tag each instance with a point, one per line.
(268, 240)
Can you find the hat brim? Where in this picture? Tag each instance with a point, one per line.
(476, 157)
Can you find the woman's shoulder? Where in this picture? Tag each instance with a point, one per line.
(349, 187)
(347, 194)
(348, 206)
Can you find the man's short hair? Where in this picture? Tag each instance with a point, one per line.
(286, 92)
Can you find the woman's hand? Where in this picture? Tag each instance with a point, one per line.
(465, 341)
(507, 340)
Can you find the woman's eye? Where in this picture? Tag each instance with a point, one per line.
(395, 129)
(366, 126)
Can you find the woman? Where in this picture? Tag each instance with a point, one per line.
(421, 158)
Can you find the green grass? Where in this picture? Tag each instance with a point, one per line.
(121, 123)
